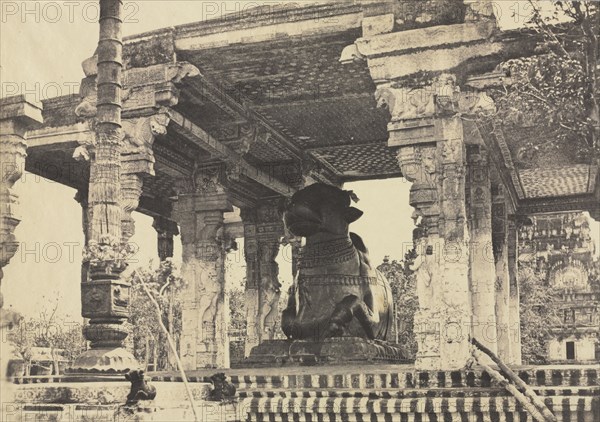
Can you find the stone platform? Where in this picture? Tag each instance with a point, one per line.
(339, 350)
(368, 392)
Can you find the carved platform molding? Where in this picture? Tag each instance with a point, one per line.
(337, 350)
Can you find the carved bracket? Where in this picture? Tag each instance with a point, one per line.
(143, 88)
(442, 97)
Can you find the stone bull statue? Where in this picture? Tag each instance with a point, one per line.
(337, 293)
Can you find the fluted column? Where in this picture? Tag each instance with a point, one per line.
(483, 271)
(17, 115)
(199, 213)
(263, 230)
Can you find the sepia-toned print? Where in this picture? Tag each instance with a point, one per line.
(344, 210)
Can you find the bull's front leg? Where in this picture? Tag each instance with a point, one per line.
(352, 307)
(296, 329)
(288, 317)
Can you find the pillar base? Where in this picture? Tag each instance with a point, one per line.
(104, 361)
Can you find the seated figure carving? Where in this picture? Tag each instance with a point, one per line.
(337, 293)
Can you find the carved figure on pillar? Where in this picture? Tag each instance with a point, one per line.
(199, 212)
(263, 230)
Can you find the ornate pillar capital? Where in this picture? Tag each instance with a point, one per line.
(416, 109)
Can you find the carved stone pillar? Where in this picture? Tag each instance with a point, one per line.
(410, 69)
(483, 271)
(430, 140)
(199, 212)
(431, 154)
(263, 230)
(514, 299)
(17, 115)
(165, 230)
(500, 244)
(117, 165)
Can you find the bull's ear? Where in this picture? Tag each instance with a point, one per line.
(352, 214)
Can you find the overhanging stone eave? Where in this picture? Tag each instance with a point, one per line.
(403, 42)
(348, 178)
(464, 50)
(582, 202)
(193, 38)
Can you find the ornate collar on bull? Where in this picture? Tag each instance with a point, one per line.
(337, 292)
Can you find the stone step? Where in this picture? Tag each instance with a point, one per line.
(574, 376)
(177, 412)
(415, 393)
(407, 417)
(99, 393)
(582, 409)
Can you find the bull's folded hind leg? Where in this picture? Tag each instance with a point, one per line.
(352, 307)
(299, 330)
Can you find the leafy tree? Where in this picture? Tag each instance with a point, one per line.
(165, 285)
(539, 313)
(237, 322)
(557, 88)
(403, 284)
(22, 338)
(48, 331)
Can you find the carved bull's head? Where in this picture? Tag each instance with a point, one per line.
(320, 208)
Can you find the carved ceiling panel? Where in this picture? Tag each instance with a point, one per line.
(360, 161)
(340, 121)
(556, 181)
(287, 69)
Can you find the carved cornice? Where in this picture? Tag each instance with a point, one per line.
(143, 88)
(21, 111)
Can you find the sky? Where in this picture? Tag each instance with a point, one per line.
(42, 45)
